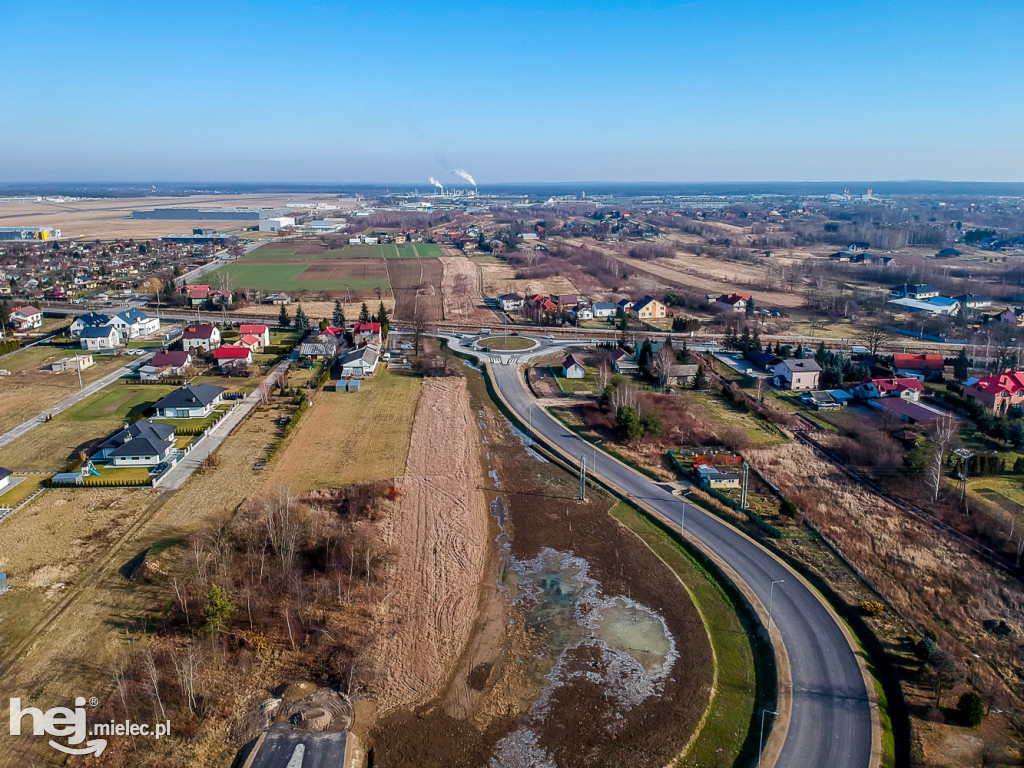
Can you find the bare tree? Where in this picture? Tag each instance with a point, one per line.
(876, 336)
(661, 364)
(153, 679)
(603, 376)
(944, 434)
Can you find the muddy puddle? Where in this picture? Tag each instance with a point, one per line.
(583, 635)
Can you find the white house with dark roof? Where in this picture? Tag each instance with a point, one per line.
(797, 374)
(88, 320)
(132, 323)
(200, 338)
(360, 362)
(572, 368)
(192, 401)
(100, 338)
(142, 444)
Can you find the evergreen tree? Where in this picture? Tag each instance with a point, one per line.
(961, 366)
(821, 355)
(731, 340)
(301, 320)
(646, 355)
(751, 309)
(364, 313)
(384, 320)
(700, 379)
(338, 318)
(683, 353)
(799, 351)
(756, 341)
(745, 343)
(283, 319)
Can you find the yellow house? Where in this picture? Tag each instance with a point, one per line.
(648, 308)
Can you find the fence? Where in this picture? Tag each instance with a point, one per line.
(555, 377)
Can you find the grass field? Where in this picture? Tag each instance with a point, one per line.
(759, 431)
(274, 253)
(351, 437)
(287, 277)
(508, 342)
(22, 490)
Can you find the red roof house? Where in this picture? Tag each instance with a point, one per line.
(232, 355)
(919, 366)
(997, 393)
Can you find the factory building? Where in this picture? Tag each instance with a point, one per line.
(211, 214)
(276, 224)
(29, 233)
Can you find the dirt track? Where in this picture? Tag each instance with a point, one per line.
(460, 290)
(438, 532)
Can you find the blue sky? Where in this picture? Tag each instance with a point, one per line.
(389, 92)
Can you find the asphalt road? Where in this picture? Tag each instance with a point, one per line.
(830, 724)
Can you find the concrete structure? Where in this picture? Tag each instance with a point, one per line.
(797, 374)
(192, 401)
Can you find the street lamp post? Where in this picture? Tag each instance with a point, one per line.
(596, 443)
(771, 601)
(682, 517)
(761, 749)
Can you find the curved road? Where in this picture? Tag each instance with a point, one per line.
(830, 725)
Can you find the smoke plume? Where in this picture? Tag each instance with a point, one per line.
(437, 183)
(464, 175)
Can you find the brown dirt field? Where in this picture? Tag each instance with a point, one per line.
(500, 278)
(74, 536)
(919, 571)
(438, 532)
(460, 291)
(349, 269)
(490, 692)
(351, 437)
(416, 283)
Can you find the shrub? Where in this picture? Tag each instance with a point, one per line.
(971, 709)
(925, 649)
(788, 509)
(871, 608)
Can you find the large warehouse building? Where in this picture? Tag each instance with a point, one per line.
(29, 233)
(211, 214)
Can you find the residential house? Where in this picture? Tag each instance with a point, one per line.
(1014, 316)
(572, 368)
(624, 306)
(937, 305)
(764, 361)
(822, 400)
(25, 318)
(323, 347)
(908, 412)
(256, 329)
(364, 333)
(973, 301)
(166, 365)
(88, 320)
(200, 338)
(581, 314)
(199, 295)
(733, 302)
(278, 299)
(232, 356)
(907, 388)
(103, 337)
(5, 479)
(142, 444)
(648, 308)
(623, 362)
(682, 375)
(359, 363)
(858, 247)
(132, 323)
(715, 478)
(603, 309)
(192, 401)
(947, 253)
(913, 291)
(510, 302)
(565, 300)
(797, 374)
(999, 392)
(250, 342)
(923, 367)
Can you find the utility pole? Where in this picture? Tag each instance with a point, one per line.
(743, 491)
(583, 477)
(78, 367)
(965, 457)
